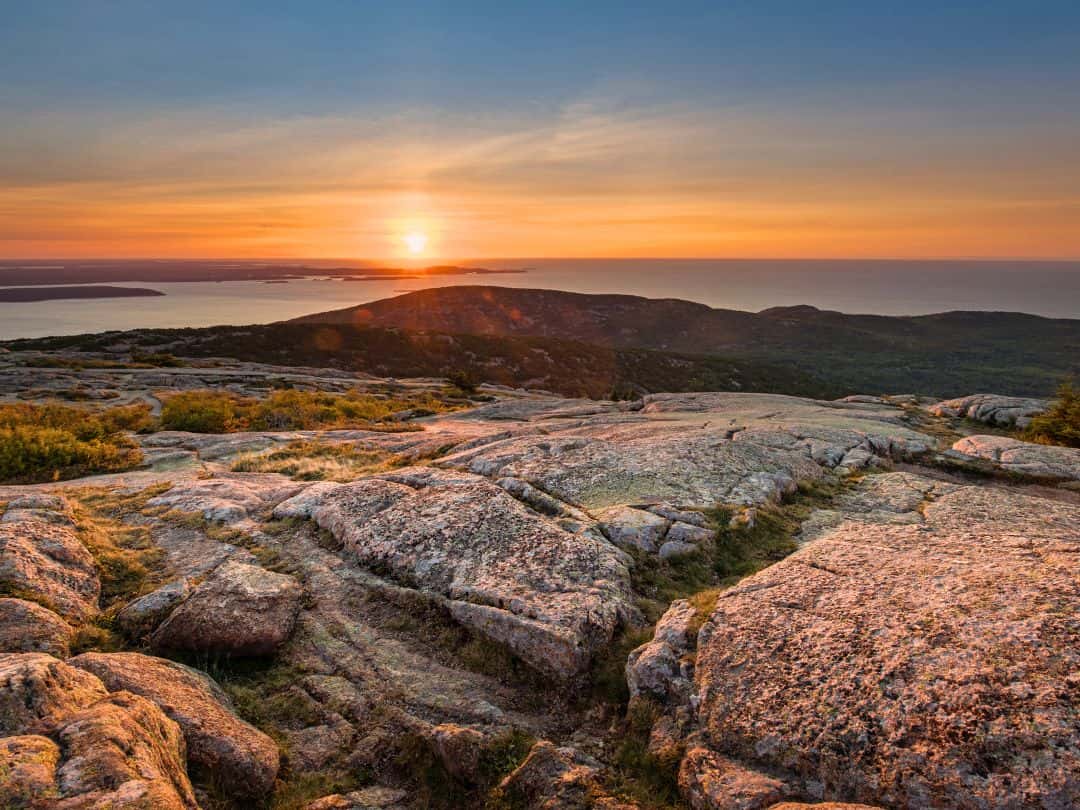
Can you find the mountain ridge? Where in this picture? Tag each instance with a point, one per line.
(877, 352)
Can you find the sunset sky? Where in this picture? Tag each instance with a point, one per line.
(347, 129)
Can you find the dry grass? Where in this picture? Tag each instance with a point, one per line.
(316, 461)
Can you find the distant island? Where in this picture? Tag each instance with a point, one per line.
(30, 273)
(31, 294)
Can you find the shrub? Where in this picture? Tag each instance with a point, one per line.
(53, 442)
(222, 412)
(1060, 424)
(463, 381)
(199, 412)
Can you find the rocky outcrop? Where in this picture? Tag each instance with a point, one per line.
(28, 770)
(48, 563)
(1025, 459)
(37, 692)
(692, 450)
(122, 753)
(28, 627)
(305, 502)
(632, 528)
(240, 609)
(663, 668)
(993, 409)
(219, 744)
(928, 663)
(551, 596)
(71, 745)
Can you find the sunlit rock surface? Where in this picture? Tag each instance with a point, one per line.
(993, 409)
(1024, 459)
(929, 663)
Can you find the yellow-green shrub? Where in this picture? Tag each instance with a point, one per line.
(222, 412)
(199, 412)
(53, 442)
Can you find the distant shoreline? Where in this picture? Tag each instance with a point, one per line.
(27, 295)
(122, 272)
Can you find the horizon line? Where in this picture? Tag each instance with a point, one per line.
(436, 261)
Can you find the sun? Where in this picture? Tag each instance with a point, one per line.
(416, 242)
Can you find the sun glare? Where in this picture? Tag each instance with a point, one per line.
(416, 242)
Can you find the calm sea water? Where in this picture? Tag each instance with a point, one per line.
(883, 287)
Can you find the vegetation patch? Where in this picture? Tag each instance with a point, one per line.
(286, 409)
(436, 788)
(53, 442)
(129, 563)
(1061, 424)
(316, 461)
(650, 780)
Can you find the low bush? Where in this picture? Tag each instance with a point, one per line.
(199, 412)
(1060, 424)
(287, 409)
(52, 442)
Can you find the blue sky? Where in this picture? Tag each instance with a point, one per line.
(873, 97)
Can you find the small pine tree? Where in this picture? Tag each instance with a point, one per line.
(1060, 424)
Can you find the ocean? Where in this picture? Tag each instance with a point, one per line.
(1051, 289)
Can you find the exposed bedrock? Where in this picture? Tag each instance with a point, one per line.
(550, 596)
(43, 559)
(67, 743)
(993, 409)
(926, 662)
(220, 744)
(1023, 459)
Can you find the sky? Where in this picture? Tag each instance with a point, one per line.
(362, 130)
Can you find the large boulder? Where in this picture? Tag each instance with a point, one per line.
(37, 691)
(29, 627)
(632, 528)
(230, 751)
(514, 575)
(930, 663)
(49, 564)
(240, 609)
